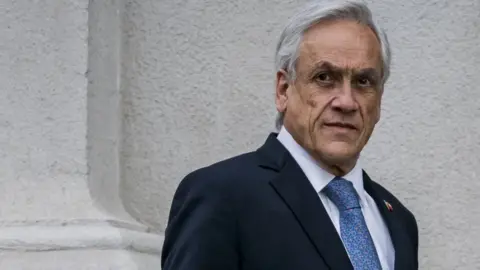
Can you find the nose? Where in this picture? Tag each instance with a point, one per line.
(344, 100)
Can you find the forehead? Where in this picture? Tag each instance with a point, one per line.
(346, 44)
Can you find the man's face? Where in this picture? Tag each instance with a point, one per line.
(334, 103)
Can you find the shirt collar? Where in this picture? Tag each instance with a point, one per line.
(318, 177)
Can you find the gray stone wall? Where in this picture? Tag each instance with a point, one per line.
(201, 88)
(60, 116)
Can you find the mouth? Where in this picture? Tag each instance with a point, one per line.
(341, 125)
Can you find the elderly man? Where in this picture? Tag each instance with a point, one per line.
(302, 201)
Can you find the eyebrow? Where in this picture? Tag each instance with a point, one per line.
(369, 72)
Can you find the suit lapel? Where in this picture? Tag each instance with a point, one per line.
(296, 191)
(392, 217)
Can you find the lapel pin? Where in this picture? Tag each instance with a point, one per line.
(389, 206)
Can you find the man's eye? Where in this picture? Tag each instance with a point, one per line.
(323, 77)
(364, 82)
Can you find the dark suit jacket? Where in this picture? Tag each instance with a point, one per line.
(258, 211)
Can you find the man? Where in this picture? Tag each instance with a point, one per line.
(302, 201)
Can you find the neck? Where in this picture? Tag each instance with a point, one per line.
(338, 168)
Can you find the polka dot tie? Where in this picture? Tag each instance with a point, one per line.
(353, 229)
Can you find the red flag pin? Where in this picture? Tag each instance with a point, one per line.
(389, 206)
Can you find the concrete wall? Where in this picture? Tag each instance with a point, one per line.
(60, 204)
(427, 146)
(200, 88)
(108, 104)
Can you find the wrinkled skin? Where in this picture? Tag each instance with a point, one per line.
(333, 104)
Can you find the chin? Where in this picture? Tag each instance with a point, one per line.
(338, 152)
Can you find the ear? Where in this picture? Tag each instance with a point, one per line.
(282, 85)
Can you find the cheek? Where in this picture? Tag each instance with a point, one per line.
(378, 111)
(305, 105)
(316, 104)
(309, 103)
(312, 103)
(369, 105)
(371, 115)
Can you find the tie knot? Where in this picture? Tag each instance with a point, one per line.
(342, 193)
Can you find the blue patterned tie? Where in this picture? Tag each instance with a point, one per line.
(353, 229)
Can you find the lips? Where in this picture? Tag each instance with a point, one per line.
(340, 125)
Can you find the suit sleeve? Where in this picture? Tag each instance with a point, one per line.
(416, 236)
(201, 231)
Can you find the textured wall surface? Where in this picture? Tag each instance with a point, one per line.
(426, 148)
(59, 178)
(198, 87)
(43, 56)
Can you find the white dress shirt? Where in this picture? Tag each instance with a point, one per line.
(319, 178)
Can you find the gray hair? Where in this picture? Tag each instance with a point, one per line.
(289, 43)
